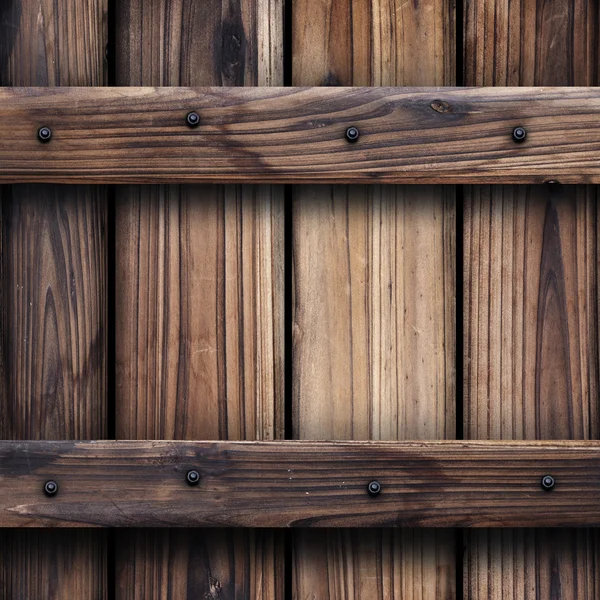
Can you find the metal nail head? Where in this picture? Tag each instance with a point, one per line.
(193, 477)
(352, 134)
(519, 134)
(50, 488)
(193, 119)
(374, 488)
(548, 482)
(44, 134)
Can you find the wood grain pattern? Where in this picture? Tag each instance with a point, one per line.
(270, 135)
(198, 307)
(299, 484)
(198, 563)
(364, 303)
(531, 303)
(53, 297)
(199, 297)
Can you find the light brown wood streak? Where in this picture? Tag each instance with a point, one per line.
(363, 303)
(53, 297)
(530, 297)
(200, 297)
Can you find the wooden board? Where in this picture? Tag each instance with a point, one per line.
(300, 484)
(278, 135)
(530, 298)
(199, 297)
(53, 292)
(374, 292)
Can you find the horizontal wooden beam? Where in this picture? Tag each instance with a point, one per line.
(277, 135)
(299, 484)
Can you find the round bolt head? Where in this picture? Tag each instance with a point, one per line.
(374, 488)
(50, 488)
(44, 134)
(193, 119)
(548, 482)
(519, 134)
(193, 477)
(352, 134)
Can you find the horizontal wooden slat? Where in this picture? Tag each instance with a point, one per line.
(300, 484)
(271, 135)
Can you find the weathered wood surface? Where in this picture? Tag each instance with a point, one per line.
(53, 297)
(271, 135)
(530, 297)
(373, 294)
(299, 484)
(199, 298)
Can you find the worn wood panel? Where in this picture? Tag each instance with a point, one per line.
(357, 312)
(364, 303)
(53, 297)
(530, 297)
(199, 297)
(270, 135)
(300, 484)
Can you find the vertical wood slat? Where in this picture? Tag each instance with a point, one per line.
(374, 294)
(199, 298)
(530, 298)
(53, 297)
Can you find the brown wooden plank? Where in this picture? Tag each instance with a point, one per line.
(373, 294)
(531, 302)
(53, 297)
(270, 135)
(199, 297)
(299, 484)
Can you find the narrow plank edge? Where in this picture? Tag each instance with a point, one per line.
(299, 484)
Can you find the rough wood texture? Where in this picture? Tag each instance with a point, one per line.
(53, 297)
(300, 484)
(199, 297)
(530, 297)
(271, 135)
(365, 306)
(199, 312)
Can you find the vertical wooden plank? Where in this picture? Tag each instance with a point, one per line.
(53, 296)
(374, 293)
(199, 297)
(531, 299)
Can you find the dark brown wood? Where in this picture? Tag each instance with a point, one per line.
(269, 135)
(531, 271)
(53, 297)
(299, 484)
(199, 298)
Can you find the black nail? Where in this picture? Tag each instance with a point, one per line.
(519, 134)
(374, 488)
(51, 488)
(193, 119)
(193, 477)
(548, 482)
(352, 134)
(44, 134)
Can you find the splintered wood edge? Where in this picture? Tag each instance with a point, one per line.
(299, 484)
(300, 135)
